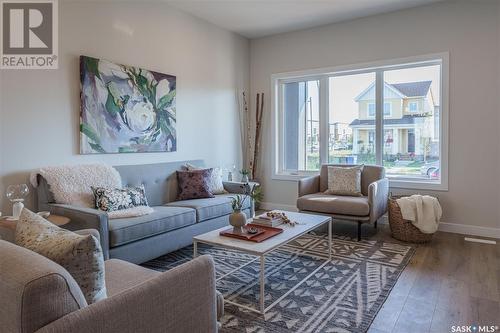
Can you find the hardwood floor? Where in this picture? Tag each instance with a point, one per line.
(449, 282)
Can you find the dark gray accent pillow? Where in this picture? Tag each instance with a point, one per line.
(194, 184)
(110, 200)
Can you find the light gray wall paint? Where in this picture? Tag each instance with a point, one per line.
(40, 108)
(469, 31)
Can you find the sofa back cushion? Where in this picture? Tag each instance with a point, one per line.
(369, 174)
(35, 290)
(160, 179)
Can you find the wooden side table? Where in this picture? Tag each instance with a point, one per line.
(55, 219)
(58, 220)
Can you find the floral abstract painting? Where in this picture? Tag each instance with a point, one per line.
(125, 109)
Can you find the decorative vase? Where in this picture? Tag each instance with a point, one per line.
(237, 219)
(244, 178)
(17, 208)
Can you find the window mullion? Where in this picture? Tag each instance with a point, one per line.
(379, 116)
(323, 119)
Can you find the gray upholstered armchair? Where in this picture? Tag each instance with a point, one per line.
(38, 295)
(364, 209)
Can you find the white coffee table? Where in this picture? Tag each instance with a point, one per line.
(306, 223)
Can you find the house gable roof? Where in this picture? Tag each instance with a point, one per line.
(413, 89)
(402, 90)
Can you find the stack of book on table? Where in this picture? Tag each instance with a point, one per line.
(268, 221)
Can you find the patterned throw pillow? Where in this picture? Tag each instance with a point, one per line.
(215, 184)
(110, 200)
(344, 181)
(80, 255)
(194, 184)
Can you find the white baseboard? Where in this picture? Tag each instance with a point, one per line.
(271, 206)
(456, 228)
(471, 230)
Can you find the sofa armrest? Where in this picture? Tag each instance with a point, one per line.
(85, 218)
(238, 187)
(182, 299)
(308, 185)
(378, 193)
(86, 232)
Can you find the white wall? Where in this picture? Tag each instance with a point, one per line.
(40, 108)
(469, 31)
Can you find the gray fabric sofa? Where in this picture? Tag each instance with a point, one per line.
(172, 225)
(38, 295)
(363, 209)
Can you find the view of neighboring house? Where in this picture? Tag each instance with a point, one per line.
(340, 136)
(411, 121)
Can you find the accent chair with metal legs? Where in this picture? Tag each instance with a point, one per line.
(367, 208)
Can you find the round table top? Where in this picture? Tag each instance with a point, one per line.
(55, 219)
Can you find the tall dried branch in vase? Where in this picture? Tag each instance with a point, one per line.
(259, 110)
(244, 118)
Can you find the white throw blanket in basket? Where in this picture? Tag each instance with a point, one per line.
(423, 211)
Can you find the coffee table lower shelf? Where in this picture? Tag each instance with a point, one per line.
(262, 309)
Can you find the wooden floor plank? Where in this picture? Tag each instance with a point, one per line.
(449, 281)
(416, 317)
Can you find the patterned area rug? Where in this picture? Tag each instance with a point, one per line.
(342, 296)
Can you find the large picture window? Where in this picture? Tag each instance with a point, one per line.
(391, 114)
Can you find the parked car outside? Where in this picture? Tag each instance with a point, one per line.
(428, 168)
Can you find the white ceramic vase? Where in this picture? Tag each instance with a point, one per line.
(238, 220)
(17, 208)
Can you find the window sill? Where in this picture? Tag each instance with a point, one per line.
(423, 184)
(292, 177)
(417, 185)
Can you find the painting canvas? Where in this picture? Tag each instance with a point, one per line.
(125, 109)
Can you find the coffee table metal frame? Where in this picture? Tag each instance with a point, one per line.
(261, 255)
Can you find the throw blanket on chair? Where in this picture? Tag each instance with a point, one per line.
(72, 185)
(423, 211)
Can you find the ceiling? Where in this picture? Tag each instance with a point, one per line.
(258, 18)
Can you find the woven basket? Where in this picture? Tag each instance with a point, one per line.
(402, 229)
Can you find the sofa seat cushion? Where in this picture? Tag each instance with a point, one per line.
(334, 204)
(122, 275)
(210, 208)
(163, 219)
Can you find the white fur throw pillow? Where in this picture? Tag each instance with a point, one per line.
(80, 255)
(71, 184)
(344, 181)
(215, 185)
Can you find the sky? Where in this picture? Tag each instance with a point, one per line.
(344, 89)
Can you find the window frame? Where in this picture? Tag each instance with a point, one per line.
(378, 68)
(413, 103)
(369, 115)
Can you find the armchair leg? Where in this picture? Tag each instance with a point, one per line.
(375, 224)
(359, 231)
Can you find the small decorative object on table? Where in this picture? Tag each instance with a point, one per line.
(273, 219)
(16, 195)
(244, 175)
(237, 218)
(252, 233)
